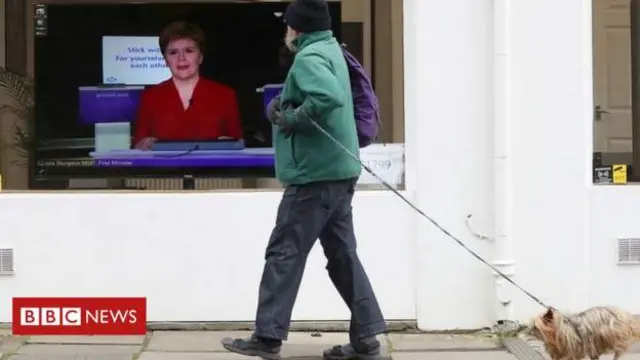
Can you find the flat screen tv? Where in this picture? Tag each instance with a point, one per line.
(94, 63)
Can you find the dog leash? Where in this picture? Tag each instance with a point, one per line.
(414, 207)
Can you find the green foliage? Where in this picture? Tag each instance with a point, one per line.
(17, 104)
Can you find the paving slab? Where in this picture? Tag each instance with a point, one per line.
(418, 342)
(190, 356)
(454, 355)
(70, 357)
(211, 356)
(190, 341)
(94, 350)
(209, 341)
(87, 340)
(312, 351)
(10, 344)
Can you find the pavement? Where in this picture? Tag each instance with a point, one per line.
(205, 345)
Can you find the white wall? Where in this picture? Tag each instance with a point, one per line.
(447, 87)
(563, 227)
(552, 93)
(613, 214)
(196, 257)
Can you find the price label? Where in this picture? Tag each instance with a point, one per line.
(386, 160)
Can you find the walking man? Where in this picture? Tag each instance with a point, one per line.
(319, 179)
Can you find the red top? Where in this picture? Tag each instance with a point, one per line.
(213, 112)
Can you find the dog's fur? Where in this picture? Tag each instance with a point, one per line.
(592, 333)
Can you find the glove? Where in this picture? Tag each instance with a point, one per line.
(276, 117)
(273, 108)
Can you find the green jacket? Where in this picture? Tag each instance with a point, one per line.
(317, 87)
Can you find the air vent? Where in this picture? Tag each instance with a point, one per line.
(629, 251)
(6, 262)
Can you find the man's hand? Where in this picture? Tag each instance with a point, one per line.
(273, 109)
(278, 119)
(275, 114)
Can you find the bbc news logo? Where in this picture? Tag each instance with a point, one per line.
(74, 316)
(79, 316)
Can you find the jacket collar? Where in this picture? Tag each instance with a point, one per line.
(307, 39)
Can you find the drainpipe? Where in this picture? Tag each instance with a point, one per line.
(501, 159)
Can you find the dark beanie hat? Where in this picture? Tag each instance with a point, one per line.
(308, 15)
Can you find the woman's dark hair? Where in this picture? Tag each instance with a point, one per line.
(181, 30)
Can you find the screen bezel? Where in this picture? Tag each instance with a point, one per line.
(130, 172)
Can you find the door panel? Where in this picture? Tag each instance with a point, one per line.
(612, 62)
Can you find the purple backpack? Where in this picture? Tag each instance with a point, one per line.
(365, 102)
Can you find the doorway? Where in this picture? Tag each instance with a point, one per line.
(612, 80)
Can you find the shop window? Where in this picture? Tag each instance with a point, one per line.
(78, 94)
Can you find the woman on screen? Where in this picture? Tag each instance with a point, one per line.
(187, 106)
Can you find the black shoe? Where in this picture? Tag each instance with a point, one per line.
(365, 350)
(254, 346)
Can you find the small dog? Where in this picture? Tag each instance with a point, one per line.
(592, 333)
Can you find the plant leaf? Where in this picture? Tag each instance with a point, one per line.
(17, 97)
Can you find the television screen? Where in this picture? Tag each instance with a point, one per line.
(106, 104)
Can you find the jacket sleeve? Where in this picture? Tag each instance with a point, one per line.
(320, 90)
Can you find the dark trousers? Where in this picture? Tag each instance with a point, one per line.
(308, 212)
